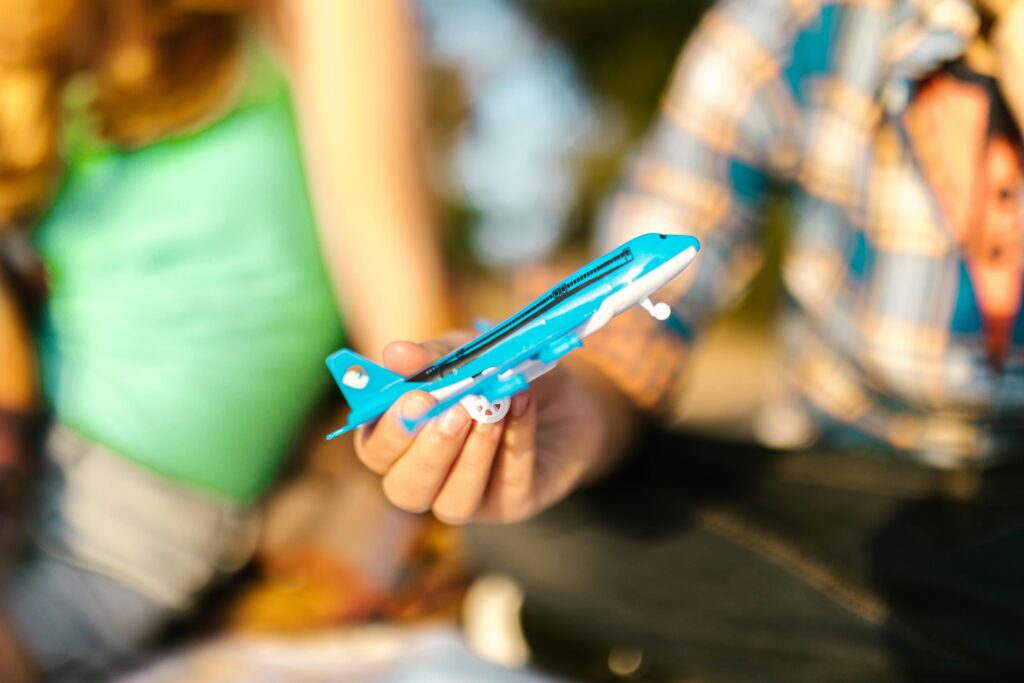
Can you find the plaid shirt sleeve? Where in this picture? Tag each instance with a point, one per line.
(725, 128)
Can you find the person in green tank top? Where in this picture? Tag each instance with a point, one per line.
(214, 213)
(199, 258)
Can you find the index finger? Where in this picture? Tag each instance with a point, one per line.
(381, 445)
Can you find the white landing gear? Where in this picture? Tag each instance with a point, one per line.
(482, 410)
(659, 311)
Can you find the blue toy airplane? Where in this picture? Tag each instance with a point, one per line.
(486, 372)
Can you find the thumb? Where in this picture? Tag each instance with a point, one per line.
(406, 357)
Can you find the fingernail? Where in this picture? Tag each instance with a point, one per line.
(520, 404)
(415, 405)
(453, 422)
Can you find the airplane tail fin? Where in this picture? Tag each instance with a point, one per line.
(358, 378)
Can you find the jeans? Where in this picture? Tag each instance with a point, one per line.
(723, 562)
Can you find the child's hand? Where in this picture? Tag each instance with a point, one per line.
(557, 434)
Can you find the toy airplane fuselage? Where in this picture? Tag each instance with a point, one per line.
(483, 374)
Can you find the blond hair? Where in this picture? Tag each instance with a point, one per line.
(155, 66)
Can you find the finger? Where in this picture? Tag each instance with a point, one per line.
(510, 490)
(462, 492)
(382, 444)
(405, 357)
(379, 445)
(415, 478)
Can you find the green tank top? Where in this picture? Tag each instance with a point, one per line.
(189, 312)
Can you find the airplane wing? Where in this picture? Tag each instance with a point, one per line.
(504, 381)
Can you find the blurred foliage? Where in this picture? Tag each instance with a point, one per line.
(624, 51)
(621, 51)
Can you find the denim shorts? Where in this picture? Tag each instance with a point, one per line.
(116, 550)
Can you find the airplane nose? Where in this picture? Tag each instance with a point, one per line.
(677, 244)
(663, 246)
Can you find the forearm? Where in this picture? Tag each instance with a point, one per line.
(355, 78)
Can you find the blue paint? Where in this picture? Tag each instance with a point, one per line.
(813, 51)
(747, 183)
(966, 316)
(1018, 324)
(681, 328)
(862, 257)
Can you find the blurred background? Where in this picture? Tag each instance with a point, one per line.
(200, 200)
(533, 108)
(530, 140)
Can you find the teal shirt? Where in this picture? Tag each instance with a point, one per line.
(189, 312)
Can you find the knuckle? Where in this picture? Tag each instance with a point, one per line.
(475, 461)
(456, 507)
(379, 455)
(380, 448)
(404, 495)
(393, 436)
(371, 459)
(514, 478)
(452, 514)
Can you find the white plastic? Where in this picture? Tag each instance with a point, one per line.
(483, 410)
(659, 311)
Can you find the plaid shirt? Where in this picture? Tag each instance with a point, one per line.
(881, 326)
